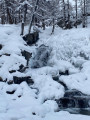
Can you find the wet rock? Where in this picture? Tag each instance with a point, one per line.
(66, 103)
(73, 93)
(31, 38)
(27, 55)
(74, 99)
(84, 111)
(27, 79)
(66, 72)
(56, 78)
(41, 58)
(82, 102)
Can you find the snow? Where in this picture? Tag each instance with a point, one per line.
(70, 51)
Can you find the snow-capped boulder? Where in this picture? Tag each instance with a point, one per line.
(27, 79)
(74, 99)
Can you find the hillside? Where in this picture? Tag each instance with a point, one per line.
(63, 57)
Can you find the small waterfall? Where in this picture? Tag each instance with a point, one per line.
(75, 102)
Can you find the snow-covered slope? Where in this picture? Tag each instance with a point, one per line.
(70, 51)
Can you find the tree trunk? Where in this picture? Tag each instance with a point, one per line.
(25, 12)
(24, 19)
(3, 19)
(68, 15)
(43, 24)
(9, 17)
(53, 26)
(32, 18)
(22, 28)
(84, 15)
(76, 14)
(64, 16)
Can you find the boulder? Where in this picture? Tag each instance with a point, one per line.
(27, 55)
(56, 78)
(10, 82)
(10, 92)
(12, 71)
(82, 102)
(31, 38)
(0, 46)
(74, 99)
(66, 103)
(66, 72)
(22, 68)
(73, 93)
(27, 79)
(65, 24)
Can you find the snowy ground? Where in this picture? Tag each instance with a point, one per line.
(70, 50)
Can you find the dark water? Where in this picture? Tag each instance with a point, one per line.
(85, 111)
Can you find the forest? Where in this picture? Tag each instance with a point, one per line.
(41, 13)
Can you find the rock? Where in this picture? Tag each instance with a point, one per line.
(66, 103)
(56, 78)
(33, 113)
(20, 96)
(10, 92)
(10, 82)
(73, 93)
(1, 79)
(66, 25)
(0, 46)
(82, 102)
(22, 68)
(66, 72)
(74, 99)
(12, 71)
(6, 54)
(42, 56)
(18, 80)
(27, 55)
(31, 38)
